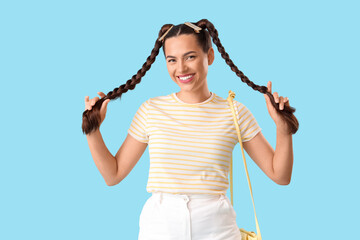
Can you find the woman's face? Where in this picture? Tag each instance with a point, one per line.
(184, 59)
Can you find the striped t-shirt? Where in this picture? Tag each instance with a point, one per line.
(190, 145)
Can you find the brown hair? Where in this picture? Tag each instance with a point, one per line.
(91, 118)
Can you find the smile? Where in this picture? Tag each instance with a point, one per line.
(186, 79)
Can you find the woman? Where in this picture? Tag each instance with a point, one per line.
(191, 137)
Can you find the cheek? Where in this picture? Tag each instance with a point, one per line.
(202, 64)
(171, 74)
(170, 71)
(203, 67)
(170, 68)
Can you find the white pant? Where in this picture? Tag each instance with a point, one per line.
(167, 216)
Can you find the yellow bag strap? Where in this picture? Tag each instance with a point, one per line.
(230, 101)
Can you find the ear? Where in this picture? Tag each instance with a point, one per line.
(211, 56)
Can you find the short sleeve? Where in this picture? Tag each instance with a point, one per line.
(138, 126)
(248, 124)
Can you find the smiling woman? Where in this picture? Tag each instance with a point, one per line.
(191, 136)
(187, 65)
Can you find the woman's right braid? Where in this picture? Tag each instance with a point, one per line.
(91, 118)
(214, 35)
(286, 113)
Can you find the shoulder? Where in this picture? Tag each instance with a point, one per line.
(157, 101)
(163, 99)
(238, 105)
(219, 100)
(224, 100)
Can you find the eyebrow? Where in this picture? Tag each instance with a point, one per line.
(183, 55)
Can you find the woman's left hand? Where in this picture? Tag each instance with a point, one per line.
(283, 101)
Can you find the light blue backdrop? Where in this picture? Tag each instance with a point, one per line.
(54, 53)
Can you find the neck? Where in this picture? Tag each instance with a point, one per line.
(194, 97)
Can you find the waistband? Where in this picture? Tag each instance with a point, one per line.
(186, 197)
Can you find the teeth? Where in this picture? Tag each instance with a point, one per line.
(184, 78)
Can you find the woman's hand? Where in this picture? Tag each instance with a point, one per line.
(91, 102)
(279, 121)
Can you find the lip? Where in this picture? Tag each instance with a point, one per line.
(187, 80)
(185, 75)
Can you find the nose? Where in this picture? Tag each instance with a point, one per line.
(182, 67)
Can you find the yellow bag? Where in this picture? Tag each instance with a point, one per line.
(245, 235)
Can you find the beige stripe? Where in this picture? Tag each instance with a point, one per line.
(139, 120)
(182, 140)
(191, 170)
(187, 155)
(210, 137)
(190, 165)
(140, 126)
(189, 120)
(183, 107)
(226, 114)
(188, 174)
(217, 149)
(212, 192)
(207, 127)
(194, 184)
(246, 136)
(186, 179)
(136, 128)
(144, 139)
(188, 150)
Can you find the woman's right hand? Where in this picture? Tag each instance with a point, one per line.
(91, 102)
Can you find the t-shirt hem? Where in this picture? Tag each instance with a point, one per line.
(137, 138)
(253, 135)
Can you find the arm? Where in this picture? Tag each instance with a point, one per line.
(284, 157)
(115, 169)
(277, 165)
(103, 159)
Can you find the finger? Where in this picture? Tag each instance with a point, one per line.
(267, 100)
(94, 100)
(266, 97)
(287, 103)
(106, 102)
(276, 97)
(101, 94)
(269, 86)
(104, 105)
(86, 98)
(281, 105)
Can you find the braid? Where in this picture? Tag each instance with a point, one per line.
(286, 113)
(91, 118)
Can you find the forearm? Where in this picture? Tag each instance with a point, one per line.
(283, 157)
(104, 160)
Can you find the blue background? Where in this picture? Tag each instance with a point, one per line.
(54, 53)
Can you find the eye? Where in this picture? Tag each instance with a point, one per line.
(192, 56)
